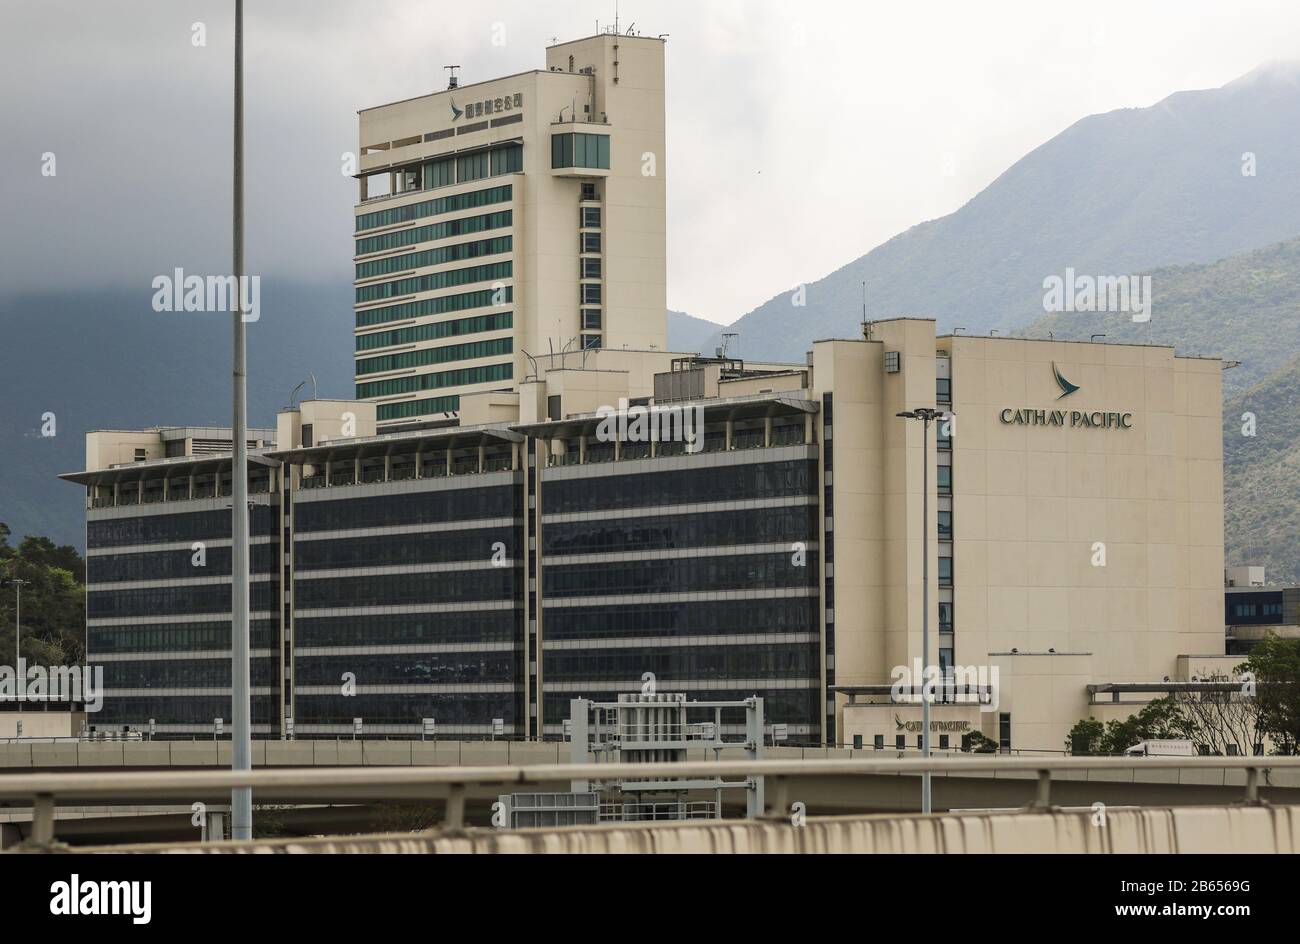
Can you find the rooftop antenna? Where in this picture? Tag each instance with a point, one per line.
(866, 325)
(452, 81)
(726, 339)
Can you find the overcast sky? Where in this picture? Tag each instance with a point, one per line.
(800, 134)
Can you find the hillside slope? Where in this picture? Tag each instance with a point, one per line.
(1260, 476)
(1112, 194)
(1244, 308)
(107, 360)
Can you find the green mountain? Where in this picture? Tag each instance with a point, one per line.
(1111, 195)
(1260, 473)
(1243, 308)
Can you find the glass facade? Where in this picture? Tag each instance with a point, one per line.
(580, 150)
(701, 569)
(719, 601)
(431, 332)
(181, 612)
(465, 573)
(436, 207)
(481, 298)
(434, 231)
(432, 257)
(435, 355)
(435, 381)
(434, 281)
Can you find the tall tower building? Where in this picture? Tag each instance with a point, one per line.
(507, 219)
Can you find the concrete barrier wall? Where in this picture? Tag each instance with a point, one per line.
(1224, 829)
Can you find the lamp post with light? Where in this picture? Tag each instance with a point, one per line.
(927, 416)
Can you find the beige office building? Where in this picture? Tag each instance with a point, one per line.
(503, 220)
(1077, 544)
(538, 550)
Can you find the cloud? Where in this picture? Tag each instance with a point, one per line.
(799, 135)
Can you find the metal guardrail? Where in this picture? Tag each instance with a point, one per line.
(41, 791)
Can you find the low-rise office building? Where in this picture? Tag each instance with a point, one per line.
(1253, 610)
(743, 529)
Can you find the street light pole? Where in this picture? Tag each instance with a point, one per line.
(241, 798)
(18, 630)
(926, 416)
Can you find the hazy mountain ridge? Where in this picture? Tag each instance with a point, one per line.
(106, 360)
(1112, 194)
(688, 333)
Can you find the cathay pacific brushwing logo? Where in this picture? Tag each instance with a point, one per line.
(1067, 388)
(455, 112)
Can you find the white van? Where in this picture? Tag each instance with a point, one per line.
(1162, 748)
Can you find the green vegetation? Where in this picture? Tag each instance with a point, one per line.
(53, 601)
(1158, 720)
(1242, 308)
(1264, 707)
(1260, 472)
(1275, 664)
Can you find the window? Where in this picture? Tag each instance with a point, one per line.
(580, 150)
(891, 362)
(1004, 732)
(945, 571)
(140, 455)
(590, 341)
(591, 217)
(307, 435)
(589, 192)
(945, 479)
(436, 207)
(945, 617)
(472, 166)
(943, 388)
(943, 742)
(945, 524)
(943, 434)
(900, 742)
(591, 318)
(878, 742)
(590, 268)
(589, 242)
(590, 294)
(553, 411)
(508, 160)
(857, 742)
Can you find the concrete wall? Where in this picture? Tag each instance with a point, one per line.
(1256, 829)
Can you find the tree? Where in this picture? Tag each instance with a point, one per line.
(1085, 737)
(53, 601)
(978, 743)
(1275, 668)
(1159, 720)
(1222, 723)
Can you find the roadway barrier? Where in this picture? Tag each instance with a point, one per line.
(1205, 829)
(315, 785)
